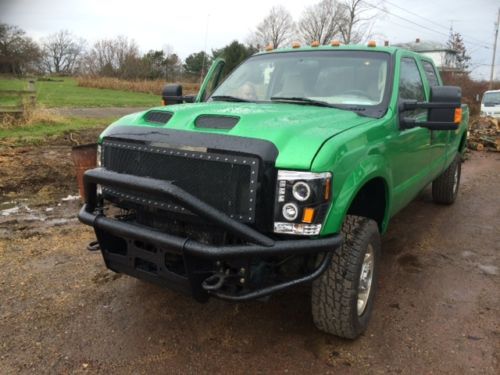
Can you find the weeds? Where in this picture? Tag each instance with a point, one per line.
(146, 86)
(29, 117)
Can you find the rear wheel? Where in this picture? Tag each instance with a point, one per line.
(445, 187)
(342, 298)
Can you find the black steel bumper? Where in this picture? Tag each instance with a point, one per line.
(258, 244)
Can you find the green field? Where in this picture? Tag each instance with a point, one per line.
(64, 92)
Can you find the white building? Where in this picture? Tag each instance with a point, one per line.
(444, 58)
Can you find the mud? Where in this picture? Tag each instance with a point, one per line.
(61, 311)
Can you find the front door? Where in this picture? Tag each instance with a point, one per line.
(410, 149)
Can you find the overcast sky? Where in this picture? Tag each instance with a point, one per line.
(183, 24)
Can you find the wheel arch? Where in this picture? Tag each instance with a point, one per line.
(369, 197)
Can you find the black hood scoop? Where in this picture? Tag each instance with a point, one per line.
(158, 117)
(216, 122)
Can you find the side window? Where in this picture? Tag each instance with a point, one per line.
(410, 82)
(430, 73)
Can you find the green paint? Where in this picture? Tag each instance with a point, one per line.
(355, 149)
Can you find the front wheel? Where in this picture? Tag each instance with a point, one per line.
(342, 298)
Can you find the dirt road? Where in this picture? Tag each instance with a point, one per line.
(437, 308)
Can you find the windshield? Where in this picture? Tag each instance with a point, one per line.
(491, 98)
(343, 78)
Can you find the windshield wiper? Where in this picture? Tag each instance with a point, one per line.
(297, 99)
(320, 103)
(228, 98)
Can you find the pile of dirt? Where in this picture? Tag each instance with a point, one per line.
(43, 174)
(484, 134)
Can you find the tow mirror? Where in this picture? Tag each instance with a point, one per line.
(445, 109)
(172, 94)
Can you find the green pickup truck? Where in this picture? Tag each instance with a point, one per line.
(285, 172)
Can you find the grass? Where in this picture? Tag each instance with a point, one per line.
(40, 131)
(65, 92)
(147, 86)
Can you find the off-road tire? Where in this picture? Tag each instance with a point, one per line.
(445, 187)
(335, 293)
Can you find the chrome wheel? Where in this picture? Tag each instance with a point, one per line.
(365, 280)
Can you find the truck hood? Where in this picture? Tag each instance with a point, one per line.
(298, 131)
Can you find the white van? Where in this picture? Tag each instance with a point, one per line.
(490, 105)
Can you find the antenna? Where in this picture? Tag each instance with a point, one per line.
(205, 52)
(494, 51)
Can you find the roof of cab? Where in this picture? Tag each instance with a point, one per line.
(349, 47)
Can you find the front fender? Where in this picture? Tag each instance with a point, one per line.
(346, 189)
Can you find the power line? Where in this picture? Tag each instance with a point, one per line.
(469, 38)
(413, 22)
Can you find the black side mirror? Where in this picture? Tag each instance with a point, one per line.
(172, 94)
(445, 109)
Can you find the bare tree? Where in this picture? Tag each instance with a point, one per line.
(61, 52)
(321, 22)
(357, 19)
(18, 53)
(113, 57)
(276, 29)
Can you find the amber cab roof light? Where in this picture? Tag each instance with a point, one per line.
(335, 43)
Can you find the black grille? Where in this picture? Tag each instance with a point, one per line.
(158, 117)
(225, 181)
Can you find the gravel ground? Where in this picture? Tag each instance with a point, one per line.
(61, 311)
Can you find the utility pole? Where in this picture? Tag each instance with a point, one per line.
(494, 50)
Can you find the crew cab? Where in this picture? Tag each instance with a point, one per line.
(285, 172)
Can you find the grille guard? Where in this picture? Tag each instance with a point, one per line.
(259, 244)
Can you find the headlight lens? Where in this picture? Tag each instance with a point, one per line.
(99, 155)
(290, 211)
(302, 201)
(301, 191)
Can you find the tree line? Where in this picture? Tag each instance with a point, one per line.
(63, 53)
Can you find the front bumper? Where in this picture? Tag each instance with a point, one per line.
(131, 260)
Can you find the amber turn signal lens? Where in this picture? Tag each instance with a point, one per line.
(328, 188)
(458, 116)
(308, 215)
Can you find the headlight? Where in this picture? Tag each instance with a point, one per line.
(99, 162)
(302, 201)
(290, 211)
(99, 155)
(301, 191)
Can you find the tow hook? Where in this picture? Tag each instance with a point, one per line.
(214, 282)
(217, 280)
(93, 246)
